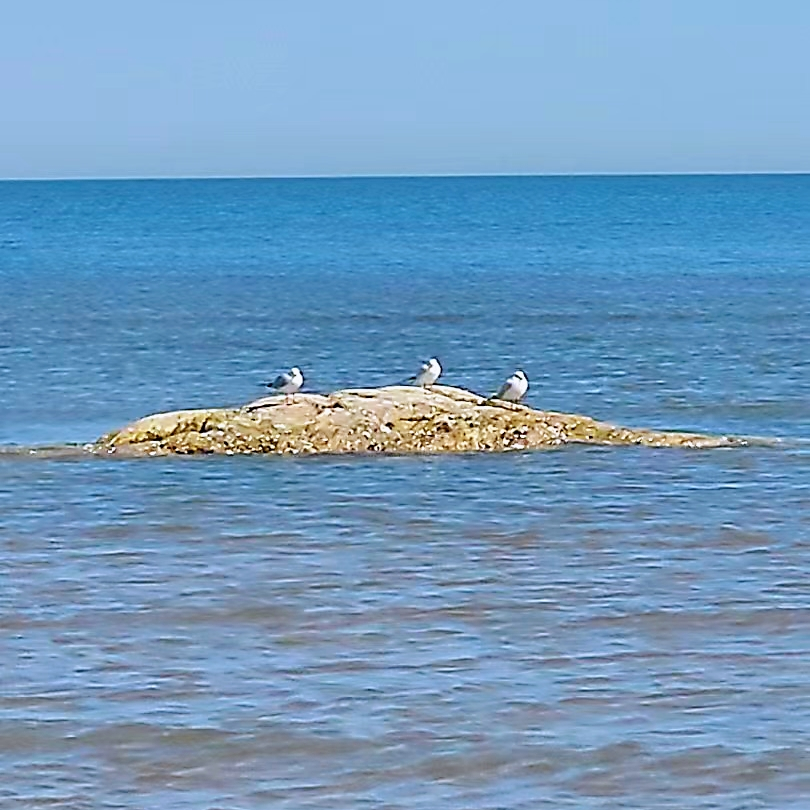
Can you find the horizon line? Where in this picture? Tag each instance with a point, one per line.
(394, 175)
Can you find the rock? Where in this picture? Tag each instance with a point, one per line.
(393, 419)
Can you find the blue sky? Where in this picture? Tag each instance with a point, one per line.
(323, 87)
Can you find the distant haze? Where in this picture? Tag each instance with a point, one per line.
(337, 87)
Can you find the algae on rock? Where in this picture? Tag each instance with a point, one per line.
(392, 419)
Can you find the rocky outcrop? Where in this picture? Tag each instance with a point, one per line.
(394, 419)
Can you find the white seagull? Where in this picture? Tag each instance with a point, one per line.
(514, 389)
(289, 382)
(428, 373)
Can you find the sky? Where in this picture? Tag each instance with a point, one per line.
(156, 88)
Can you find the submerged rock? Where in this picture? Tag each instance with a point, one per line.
(393, 419)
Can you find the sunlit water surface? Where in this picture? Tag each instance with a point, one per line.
(586, 627)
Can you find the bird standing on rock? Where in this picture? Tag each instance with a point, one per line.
(288, 383)
(514, 389)
(428, 373)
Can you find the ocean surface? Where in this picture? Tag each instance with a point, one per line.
(592, 628)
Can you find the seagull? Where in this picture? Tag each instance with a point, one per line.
(289, 382)
(428, 373)
(514, 389)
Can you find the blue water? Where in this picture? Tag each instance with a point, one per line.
(590, 627)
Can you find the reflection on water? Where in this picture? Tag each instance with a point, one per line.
(590, 627)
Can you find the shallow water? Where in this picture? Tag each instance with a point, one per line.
(584, 627)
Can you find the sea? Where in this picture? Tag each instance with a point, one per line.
(584, 627)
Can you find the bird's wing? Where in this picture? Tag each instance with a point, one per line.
(423, 369)
(281, 380)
